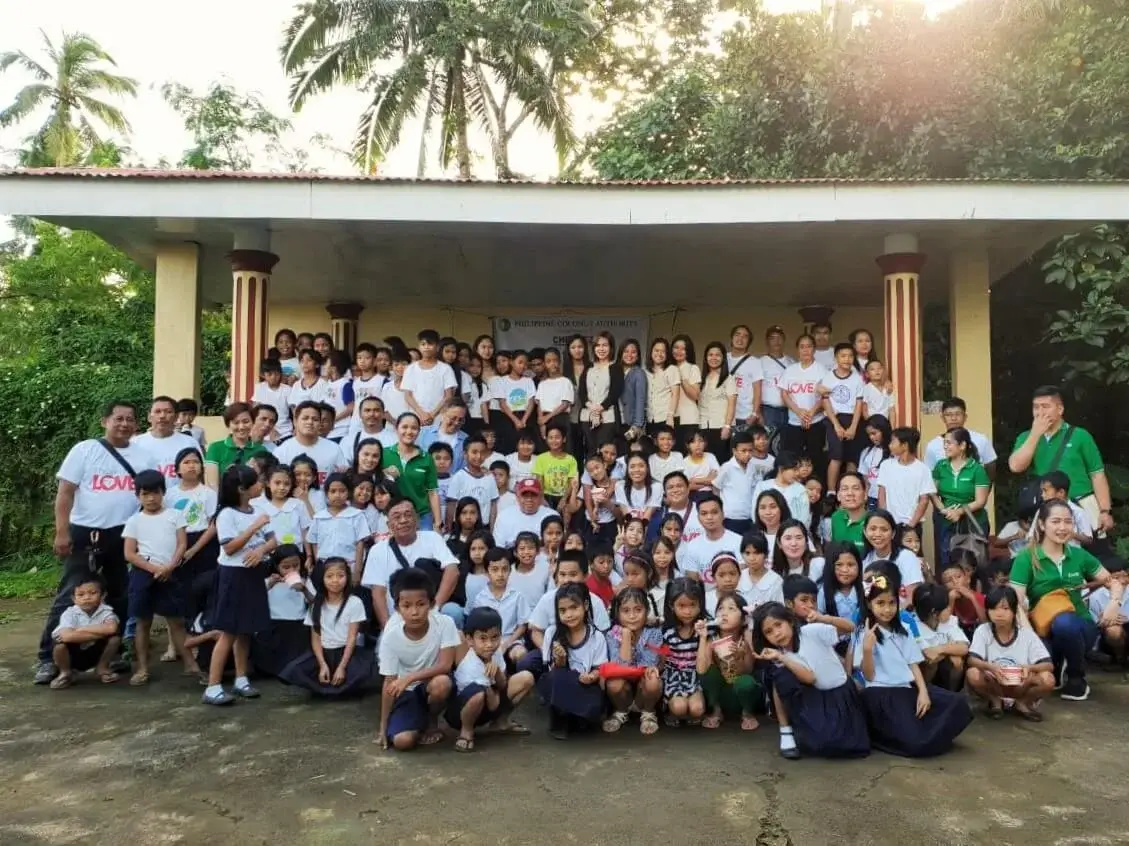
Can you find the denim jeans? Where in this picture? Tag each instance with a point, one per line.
(1071, 638)
(775, 417)
(426, 524)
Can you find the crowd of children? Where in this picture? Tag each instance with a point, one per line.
(724, 582)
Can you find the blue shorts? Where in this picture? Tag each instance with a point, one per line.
(409, 712)
(460, 699)
(149, 597)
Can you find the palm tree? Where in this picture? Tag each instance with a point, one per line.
(450, 65)
(68, 85)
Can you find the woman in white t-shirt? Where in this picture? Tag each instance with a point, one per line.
(805, 433)
(863, 343)
(717, 401)
(663, 387)
(690, 386)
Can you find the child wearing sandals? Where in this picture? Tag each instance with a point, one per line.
(1009, 661)
(725, 665)
(682, 685)
(417, 654)
(484, 694)
(905, 715)
(512, 607)
(574, 650)
(631, 676)
(86, 637)
(818, 706)
(155, 542)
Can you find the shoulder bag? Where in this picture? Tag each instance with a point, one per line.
(428, 565)
(1031, 492)
(1049, 606)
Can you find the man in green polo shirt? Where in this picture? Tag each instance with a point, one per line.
(1036, 450)
(847, 521)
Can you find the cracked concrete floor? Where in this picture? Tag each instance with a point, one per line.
(96, 765)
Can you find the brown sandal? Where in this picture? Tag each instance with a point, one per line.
(62, 681)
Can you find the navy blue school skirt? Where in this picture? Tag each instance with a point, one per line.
(561, 689)
(239, 604)
(826, 723)
(273, 649)
(896, 730)
(303, 672)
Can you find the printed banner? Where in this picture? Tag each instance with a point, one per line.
(525, 333)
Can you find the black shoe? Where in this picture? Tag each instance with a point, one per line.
(45, 672)
(792, 754)
(558, 726)
(1075, 690)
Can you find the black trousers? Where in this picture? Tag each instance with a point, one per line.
(104, 557)
(810, 442)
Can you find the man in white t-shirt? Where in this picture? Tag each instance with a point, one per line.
(954, 412)
(372, 426)
(824, 351)
(773, 364)
(94, 500)
(306, 441)
(162, 441)
(527, 517)
(746, 370)
(694, 557)
(429, 384)
(406, 546)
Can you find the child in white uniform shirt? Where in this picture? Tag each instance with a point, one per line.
(904, 482)
(573, 650)
(484, 695)
(86, 637)
(289, 593)
(428, 384)
(335, 665)
(734, 483)
(339, 530)
(274, 391)
(512, 607)
(1113, 636)
(572, 568)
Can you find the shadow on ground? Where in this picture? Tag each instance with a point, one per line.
(113, 765)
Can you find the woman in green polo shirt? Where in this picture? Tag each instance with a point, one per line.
(236, 448)
(1050, 563)
(414, 473)
(962, 489)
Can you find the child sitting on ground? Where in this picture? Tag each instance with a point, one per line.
(86, 637)
(1112, 628)
(512, 607)
(682, 684)
(725, 664)
(155, 541)
(484, 695)
(333, 666)
(965, 604)
(288, 596)
(573, 651)
(631, 675)
(1009, 661)
(943, 644)
(417, 654)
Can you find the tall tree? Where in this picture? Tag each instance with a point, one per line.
(69, 84)
(454, 65)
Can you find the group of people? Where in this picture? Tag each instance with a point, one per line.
(475, 525)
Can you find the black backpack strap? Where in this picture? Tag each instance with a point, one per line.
(399, 553)
(117, 457)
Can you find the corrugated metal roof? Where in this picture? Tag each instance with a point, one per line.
(248, 176)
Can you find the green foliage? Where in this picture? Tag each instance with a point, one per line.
(68, 86)
(76, 331)
(223, 122)
(29, 577)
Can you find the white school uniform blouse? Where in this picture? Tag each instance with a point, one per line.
(474, 396)
(713, 402)
(393, 398)
(317, 392)
(688, 408)
(637, 500)
(337, 535)
(519, 469)
(768, 588)
(290, 522)
(734, 485)
(892, 658)
(472, 670)
(907, 563)
(75, 618)
(230, 524)
(817, 653)
(334, 628)
(533, 584)
(285, 602)
(545, 613)
(801, 384)
(511, 606)
(659, 387)
(795, 497)
(587, 656)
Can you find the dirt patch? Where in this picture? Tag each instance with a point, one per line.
(113, 765)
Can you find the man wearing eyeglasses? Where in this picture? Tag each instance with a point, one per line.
(448, 429)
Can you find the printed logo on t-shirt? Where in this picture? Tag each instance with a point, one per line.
(517, 399)
(167, 470)
(110, 483)
(841, 395)
(193, 510)
(801, 388)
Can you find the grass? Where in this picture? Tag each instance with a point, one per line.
(29, 576)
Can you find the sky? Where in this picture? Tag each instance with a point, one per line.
(236, 40)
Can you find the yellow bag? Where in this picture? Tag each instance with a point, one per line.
(1047, 608)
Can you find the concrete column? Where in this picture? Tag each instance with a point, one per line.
(176, 322)
(343, 324)
(970, 335)
(901, 268)
(251, 270)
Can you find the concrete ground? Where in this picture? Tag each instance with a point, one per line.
(114, 765)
